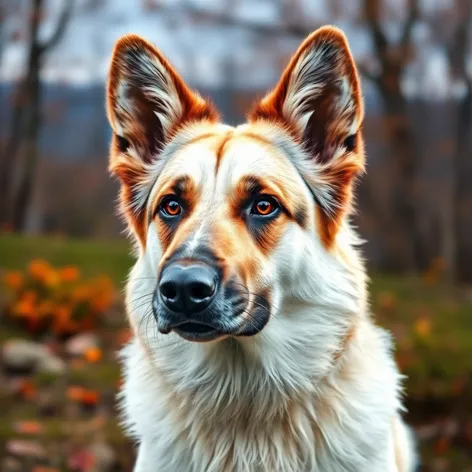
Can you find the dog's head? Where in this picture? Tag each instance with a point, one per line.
(230, 222)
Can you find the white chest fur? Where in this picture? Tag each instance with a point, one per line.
(197, 408)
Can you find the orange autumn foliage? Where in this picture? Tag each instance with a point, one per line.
(28, 427)
(422, 327)
(43, 298)
(82, 395)
(27, 389)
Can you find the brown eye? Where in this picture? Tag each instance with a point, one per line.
(170, 207)
(265, 206)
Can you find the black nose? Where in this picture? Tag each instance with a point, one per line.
(188, 289)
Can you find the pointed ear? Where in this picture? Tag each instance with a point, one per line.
(147, 100)
(318, 97)
(318, 100)
(147, 103)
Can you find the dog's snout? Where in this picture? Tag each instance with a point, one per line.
(188, 289)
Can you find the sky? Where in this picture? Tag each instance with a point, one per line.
(208, 55)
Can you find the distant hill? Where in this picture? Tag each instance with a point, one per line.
(75, 126)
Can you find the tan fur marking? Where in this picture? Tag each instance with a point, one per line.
(221, 149)
(341, 173)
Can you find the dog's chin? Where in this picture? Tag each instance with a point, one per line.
(201, 333)
(198, 332)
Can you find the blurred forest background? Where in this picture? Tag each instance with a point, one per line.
(63, 258)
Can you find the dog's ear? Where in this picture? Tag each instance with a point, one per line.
(147, 102)
(318, 100)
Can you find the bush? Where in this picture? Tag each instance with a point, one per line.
(56, 300)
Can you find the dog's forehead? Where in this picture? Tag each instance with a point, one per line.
(246, 154)
(220, 159)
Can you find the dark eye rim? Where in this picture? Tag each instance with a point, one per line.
(164, 201)
(276, 210)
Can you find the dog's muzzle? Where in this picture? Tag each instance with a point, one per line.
(192, 300)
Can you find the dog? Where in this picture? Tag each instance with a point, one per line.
(253, 347)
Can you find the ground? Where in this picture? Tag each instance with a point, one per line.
(67, 422)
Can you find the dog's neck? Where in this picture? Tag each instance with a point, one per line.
(260, 376)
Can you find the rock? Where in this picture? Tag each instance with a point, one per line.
(52, 365)
(81, 343)
(24, 448)
(10, 464)
(22, 356)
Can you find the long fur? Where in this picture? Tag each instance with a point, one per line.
(317, 390)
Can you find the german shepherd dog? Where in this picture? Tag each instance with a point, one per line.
(253, 347)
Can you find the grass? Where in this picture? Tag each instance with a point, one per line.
(431, 322)
(93, 257)
(432, 326)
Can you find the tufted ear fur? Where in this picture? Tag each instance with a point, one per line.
(147, 102)
(318, 100)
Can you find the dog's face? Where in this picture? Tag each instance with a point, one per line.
(231, 221)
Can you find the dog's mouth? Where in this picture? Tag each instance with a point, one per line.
(193, 331)
(215, 323)
(198, 328)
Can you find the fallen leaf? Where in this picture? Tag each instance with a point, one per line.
(27, 389)
(90, 397)
(422, 327)
(441, 446)
(75, 393)
(93, 354)
(28, 427)
(82, 395)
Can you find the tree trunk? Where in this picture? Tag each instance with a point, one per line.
(21, 197)
(463, 191)
(402, 247)
(8, 157)
(32, 126)
(27, 121)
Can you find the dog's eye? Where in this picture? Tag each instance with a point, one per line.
(265, 206)
(170, 207)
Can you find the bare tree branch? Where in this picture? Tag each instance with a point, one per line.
(372, 11)
(225, 19)
(459, 231)
(456, 49)
(64, 18)
(413, 16)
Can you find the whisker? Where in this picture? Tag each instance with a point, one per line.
(142, 296)
(129, 303)
(134, 307)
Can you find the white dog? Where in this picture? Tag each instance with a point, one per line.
(253, 348)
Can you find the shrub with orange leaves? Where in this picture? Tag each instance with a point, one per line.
(43, 298)
(14, 280)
